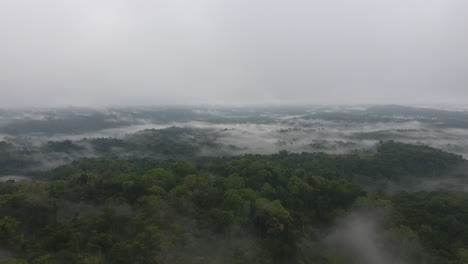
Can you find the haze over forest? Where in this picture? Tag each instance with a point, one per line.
(234, 132)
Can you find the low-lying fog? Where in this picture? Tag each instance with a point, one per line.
(212, 131)
(14, 178)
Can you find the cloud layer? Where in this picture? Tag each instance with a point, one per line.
(115, 52)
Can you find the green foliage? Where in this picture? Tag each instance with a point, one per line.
(439, 219)
(250, 209)
(66, 146)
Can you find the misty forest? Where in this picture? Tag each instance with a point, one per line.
(370, 184)
(234, 131)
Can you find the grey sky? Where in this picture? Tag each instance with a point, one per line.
(111, 52)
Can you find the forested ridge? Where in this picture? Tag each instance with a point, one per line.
(280, 208)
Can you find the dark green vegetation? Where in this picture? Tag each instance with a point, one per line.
(280, 208)
(171, 142)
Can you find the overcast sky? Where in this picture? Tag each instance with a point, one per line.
(127, 52)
